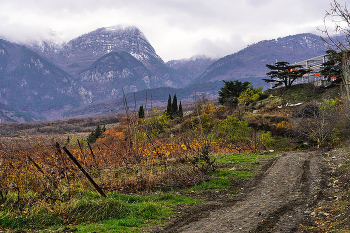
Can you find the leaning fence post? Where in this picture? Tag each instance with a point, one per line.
(93, 155)
(98, 189)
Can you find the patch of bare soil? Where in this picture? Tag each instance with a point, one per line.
(278, 200)
(332, 204)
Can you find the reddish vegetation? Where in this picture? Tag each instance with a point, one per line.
(134, 156)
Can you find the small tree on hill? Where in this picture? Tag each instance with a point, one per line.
(174, 108)
(231, 90)
(95, 134)
(169, 106)
(323, 123)
(283, 73)
(251, 95)
(141, 112)
(338, 19)
(180, 114)
(332, 67)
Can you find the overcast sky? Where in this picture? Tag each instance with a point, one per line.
(175, 28)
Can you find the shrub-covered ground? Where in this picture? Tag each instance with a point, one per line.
(332, 205)
(145, 167)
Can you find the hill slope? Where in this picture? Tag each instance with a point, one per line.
(31, 83)
(251, 61)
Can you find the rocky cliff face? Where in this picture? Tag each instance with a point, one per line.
(79, 53)
(114, 73)
(28, 82)
(49, 79)
(81, 57)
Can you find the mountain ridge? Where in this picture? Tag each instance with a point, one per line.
(92, 45)
(255, 57)
(101, 65)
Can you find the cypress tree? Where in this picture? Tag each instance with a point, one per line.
(169, 107)
(68, 140)
(174, 109)
(92, 137)
(98, 131)
(141, 112)
(181, 114)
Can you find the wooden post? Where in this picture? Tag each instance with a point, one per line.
(98, 189)
(93, 155)
(63, 160)
(53, 182)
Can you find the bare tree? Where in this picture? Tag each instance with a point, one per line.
(322, 121)
(337, 20)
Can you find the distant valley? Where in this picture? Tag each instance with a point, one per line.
(88, 75)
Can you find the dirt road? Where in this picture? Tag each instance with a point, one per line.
(275, 204)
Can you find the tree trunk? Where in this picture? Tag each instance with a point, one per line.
(346, 72)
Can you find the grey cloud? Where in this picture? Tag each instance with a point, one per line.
(258, 2)
(220, 47)
(201, 21)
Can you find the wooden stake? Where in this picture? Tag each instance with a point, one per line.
(98, 189)
(93, 155)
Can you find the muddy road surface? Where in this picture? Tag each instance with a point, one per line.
(275, 203)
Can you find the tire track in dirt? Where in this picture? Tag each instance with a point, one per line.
(269, 223)
(271, 205)
(198, 212)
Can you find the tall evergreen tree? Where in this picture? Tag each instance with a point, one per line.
(95, 134)
(169, 106)
(174, 106)
(181, 114)
(91, 138)
(98, 131)
(141, 112)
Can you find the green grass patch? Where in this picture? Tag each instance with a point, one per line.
(299, 93)
(216, 183)
(241, 157)
(90, 212)
(232, 166)
(115, 225)
(345, 165)
(244, 174)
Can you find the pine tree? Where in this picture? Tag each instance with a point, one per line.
(91, 138)
(141, 112)
(181, 114)
(95, 134)
(169, 106)
(174, 109)
(98, 131)
(67, 140)
(283, 73)
(231, 90)
(332, 67)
